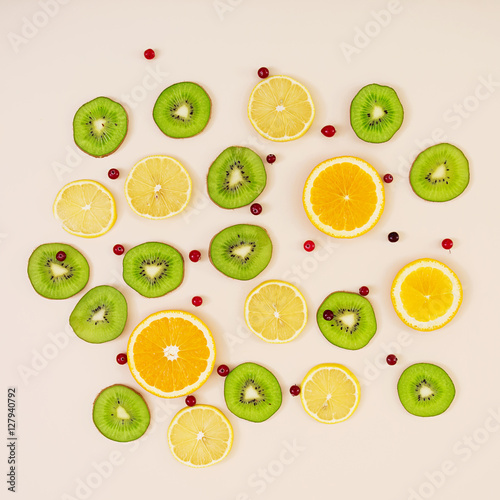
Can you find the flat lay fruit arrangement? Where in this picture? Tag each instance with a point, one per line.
(172, 353)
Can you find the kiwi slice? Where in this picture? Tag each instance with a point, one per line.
(440, 173)
(425, 390)
(100, 315)
(56, 279)
(236, 177)
(182, 110)
(153, 269)
(99, 126)
(376, 113)
(349, 321)
(252, 392)
(120, 413)
(241, 252)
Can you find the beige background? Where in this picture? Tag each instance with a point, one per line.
(437, 55)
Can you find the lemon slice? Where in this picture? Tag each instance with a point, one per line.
(200, 436)
(426, 294)
(158, 187)
(85, 208)
(276, 311)
(330, 393)
(280, 109)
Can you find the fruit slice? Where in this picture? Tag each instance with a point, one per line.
(182, 110)
(200, 436)
(252, 392)
(55, 279)
(276, 311)
(241, 252)
(352, 324)
(153, 269)
(426, 294)
(120, 413)
(344, 197)
(376, 113)
(280, 109)
(425, 390)
(171, 353)
(85, 208)
(158, 187)
(100, 126)
(100, 315)
(236, 177)
(440, 173)
(330, 393)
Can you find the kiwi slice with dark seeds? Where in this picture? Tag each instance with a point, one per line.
(56, 279)
(440, 173)
(241, 252)
(376, 113)
(252, 392)
(153, 269)
(236, 177)
(120, 413)
(100, 315)
(99, 126)
(425, 390)
(182, 110)
(353, 324)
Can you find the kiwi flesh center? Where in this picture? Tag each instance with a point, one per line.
(59, 271)
(242, 251)
(424, 391)
(235, 177)
(251, 393)
(153, 269)
(99, 315)
(376, 115)
(121, 413)
(99, 126)
(182, 111)
(439, 174)
(347, 320)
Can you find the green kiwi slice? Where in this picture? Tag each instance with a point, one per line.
(100, 315)
(376, 113)
(56, 279)
(182, 110)
(440, 173)
(236, 177)
(349, 321)
(99, 126)
(241, 252)
(153, 269)
(252, 392)
(425, 390)
(120, 413)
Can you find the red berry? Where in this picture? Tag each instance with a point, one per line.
(194, 255)
(447, 243)
(309, 246)
(113, 173)
(388, 178)
(197, 301)
(393, 237)
(121, 359)
(256, 208)
(327, 315)
(295, 390)
(223, 370)
(190, 400)
(60, 256)
(149, 54)
(328, 131)
(118, 249)
(364, 291)
(271, 158)
(391, 359)
(263, 72)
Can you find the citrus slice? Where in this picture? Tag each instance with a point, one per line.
(330, 393)
(158, 187)
(85, 208)
(426, 294)
(280, 109)
(276, 311)
(344, 197)
(171, 353)
(200, 436)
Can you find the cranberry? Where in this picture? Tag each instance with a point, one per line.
(60, 256)
(256, 208)
(391, 359)
(328, 315)
(309, 246)
(393, 237)
(364, 291)
(118, 249)
(113, 174)
(447, 243)
(194, 255)
(328, 131)
(121, 359)
(388, 178)
(295, 390)
(223, 370)
(197, 301)
(190, 400)
(149, 54)
(271, 159)
(263, 72)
